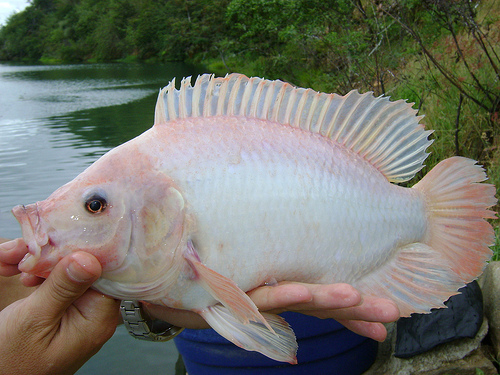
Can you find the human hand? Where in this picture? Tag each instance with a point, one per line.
(341, 302)
(11, 254)
(363, 315)
(61, 324)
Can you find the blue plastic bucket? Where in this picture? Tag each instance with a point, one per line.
(325, 347)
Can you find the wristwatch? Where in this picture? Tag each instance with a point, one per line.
(140, 326)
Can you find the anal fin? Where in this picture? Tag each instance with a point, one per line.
(417, 279)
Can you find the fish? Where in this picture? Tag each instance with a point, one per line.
(242, 181)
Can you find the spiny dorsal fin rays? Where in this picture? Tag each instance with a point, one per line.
(231, 110)
(160, 112)
(385, 133)
(196, 99)
(184, 108)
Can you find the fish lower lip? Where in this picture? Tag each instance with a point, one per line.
(40, 263)
(34, 236)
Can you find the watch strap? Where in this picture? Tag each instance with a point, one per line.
(141, 327)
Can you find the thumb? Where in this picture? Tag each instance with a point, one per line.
(69, 279)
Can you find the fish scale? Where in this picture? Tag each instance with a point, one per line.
(295, 193)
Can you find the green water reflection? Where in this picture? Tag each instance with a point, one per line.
(107, 127)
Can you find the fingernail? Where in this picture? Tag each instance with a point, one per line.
(77, 268)
(9, 245)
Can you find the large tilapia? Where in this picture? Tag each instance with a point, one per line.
(241, 181)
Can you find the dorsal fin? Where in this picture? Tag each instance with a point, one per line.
(385, 133)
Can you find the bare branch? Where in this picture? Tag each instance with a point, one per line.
(446, 74)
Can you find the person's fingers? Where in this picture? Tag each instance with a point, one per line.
(279, 297)
(11, 253)
(292, 296)
(330, 296)
(29, 280)
(375, 331)
(341, 302)
(372, 309)
(94, 305)
(12, 290)
(71, 277)
(338, 301)
(8, 269)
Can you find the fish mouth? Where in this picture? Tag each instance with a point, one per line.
(37, 261)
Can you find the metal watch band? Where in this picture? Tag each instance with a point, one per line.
(143, 328)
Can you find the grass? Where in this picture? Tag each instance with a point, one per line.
(496, 247)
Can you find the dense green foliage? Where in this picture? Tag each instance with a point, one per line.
(326, 44)
(103, 30)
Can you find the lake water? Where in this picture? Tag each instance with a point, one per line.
(54, 122)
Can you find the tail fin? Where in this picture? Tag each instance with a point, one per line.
(422, 275)
(457, 206)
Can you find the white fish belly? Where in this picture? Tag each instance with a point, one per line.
(271, 202)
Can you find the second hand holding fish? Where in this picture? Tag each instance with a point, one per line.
(342, 302)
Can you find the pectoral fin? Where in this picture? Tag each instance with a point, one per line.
(239, 320)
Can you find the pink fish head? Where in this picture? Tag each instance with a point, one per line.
(122, 211)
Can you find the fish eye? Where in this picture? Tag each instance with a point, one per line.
(95, 204)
